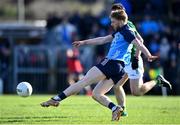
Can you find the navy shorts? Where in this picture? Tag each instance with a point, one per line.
(112, 69)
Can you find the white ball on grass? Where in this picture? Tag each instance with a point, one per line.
(24, 89)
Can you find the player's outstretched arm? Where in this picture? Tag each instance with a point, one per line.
(144, 50)
(138, 36)
(94, 41)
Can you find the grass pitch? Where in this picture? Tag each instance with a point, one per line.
(84, 110)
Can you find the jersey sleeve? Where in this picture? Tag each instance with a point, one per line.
(128, 35)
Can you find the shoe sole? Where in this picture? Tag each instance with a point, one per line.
(47, 105)
(167, 82)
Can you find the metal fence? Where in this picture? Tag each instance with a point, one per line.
(42, 66)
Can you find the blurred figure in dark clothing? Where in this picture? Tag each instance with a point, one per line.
(52, 21)
(5, 54)
(154, 45)
(75, 19)
(100, 50)
(52, 37)
(158, 5)
(172, 64)
(87, 21)
(148, 10)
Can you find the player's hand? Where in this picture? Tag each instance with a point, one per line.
(152, 58)
(135, 64)
(78, 43)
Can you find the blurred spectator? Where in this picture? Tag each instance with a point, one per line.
(175, 8)
(52, 21)
(148, 10)
(154, 45)
(67, 32)
(86, 23)
(126, 4)
(104, 20)
(52, 37)
(158, 5)
(172, 63)
(149, 26)
(75, 19)
(173, 52)
(86, 56)
(75, 69)
(164, 49)
(100, 50)
(5, 54)
(86, 28)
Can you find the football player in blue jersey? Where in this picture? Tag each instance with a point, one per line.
(111, 69)
(134, 71)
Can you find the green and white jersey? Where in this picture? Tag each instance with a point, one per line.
(138, 73)
(133, 28)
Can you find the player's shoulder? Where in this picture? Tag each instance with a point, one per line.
(127, 32)
(130, 22)
(125, 29)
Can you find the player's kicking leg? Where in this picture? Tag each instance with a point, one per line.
(138, 88)
(94, 75)
(99, 95)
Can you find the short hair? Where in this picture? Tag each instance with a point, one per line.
(119, 15)
(117, 6)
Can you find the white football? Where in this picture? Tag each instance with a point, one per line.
(24, 89)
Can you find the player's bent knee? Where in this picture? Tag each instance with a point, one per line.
(116, 88)
(96, 96)
(136, 93)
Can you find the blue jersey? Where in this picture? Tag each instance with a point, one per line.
(121, 44)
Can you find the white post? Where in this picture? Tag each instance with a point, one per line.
(21, 11)
(1, 86)
(164, 91)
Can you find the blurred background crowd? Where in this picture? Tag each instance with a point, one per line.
(36, 40)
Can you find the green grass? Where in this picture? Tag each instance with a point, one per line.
(84, 110)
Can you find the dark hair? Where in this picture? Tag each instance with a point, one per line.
(117, 6)
(119, 15)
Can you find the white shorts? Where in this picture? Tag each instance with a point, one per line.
(137, 73)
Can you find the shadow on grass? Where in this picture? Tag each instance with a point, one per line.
(33, 119)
